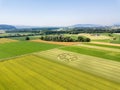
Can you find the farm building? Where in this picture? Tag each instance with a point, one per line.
(2, 31)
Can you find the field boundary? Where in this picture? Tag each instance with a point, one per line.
(111, 44)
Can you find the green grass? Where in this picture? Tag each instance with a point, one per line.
(94, 52)
(116, 41)
(24, 37)
(74, 36)
(23, 47)
(117, 36)
(34, 73)
(18, 38)
(103, 40)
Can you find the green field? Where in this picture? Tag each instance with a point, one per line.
(19, 48)
(106, 54)
(27, 65)
(24, 37)
(17, 74)
(103, 45)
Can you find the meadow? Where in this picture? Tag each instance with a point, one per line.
(8, 50)
(24, 37)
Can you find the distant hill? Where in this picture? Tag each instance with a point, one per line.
(28, 27)
(86, 25)
(6, 27)
(23, 26)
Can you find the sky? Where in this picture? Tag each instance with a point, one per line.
(59, 12)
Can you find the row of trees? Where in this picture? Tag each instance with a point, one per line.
(61, 38)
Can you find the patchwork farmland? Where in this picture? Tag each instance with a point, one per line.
(28, 65)
(59, 44)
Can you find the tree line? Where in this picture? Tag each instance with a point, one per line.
(48, 31)
(61, 38)
(80, 30)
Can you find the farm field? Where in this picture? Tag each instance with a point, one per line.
(42, 65)
(59, 44)
(6, 40)
(99, 47)
(101, 52)
(99, 37)
(117, 38)
(116, 46)
(104, 43)
(94, 65)
(17, 74)
(24, 37)
(96, 37)
(8, 50)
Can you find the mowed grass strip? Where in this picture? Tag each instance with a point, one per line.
(99, 47)
(109, 55)
(8, 50)
(102, 45)
(106, 43)
(35, 73)
(98, 66)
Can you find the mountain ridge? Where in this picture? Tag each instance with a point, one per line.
(6, 27)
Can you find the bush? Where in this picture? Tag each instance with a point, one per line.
(80, 39)
(27, 38)
(61, 38)
(87, 40)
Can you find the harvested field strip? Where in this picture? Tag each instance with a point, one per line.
(99, 47)
(95, 37)
(98, 66)
(36, 73)
(109, 55)
(6, 40)
(59, 43)
(102, 45)
(106, 43)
